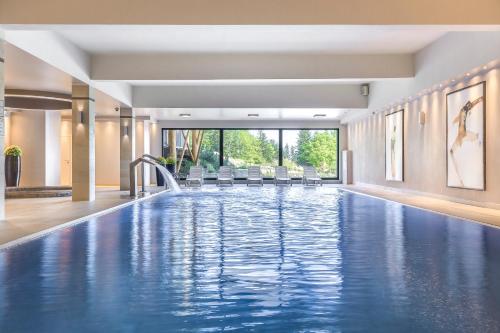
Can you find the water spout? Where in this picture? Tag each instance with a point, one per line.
(171, 182)
(146, 158)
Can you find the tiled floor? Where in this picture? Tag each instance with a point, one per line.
(29, 216)
(480, 214)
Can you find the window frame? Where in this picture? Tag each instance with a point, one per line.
(280, 144)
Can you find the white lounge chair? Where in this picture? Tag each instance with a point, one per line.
(281, 176)
(255, 176)
(311, 177)
(225, 176)
(195, 176)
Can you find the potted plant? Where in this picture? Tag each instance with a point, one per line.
(159, 177)
(170, 164)
(12, 165)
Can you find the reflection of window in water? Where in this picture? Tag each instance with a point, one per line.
(393, 152)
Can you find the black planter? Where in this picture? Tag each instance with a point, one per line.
(12, 170)
(171, 168)
(159, 178)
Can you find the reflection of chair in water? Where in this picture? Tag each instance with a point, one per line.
(311, 177)
(195, 176)
(225, 176)
(255, 176)
(281, 176)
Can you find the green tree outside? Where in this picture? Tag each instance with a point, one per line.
(243, 148)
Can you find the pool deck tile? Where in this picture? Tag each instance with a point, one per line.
(482, 215)
(30, 216)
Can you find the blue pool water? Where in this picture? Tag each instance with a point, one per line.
(257, 259)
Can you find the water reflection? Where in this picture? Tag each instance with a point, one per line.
(285, 259)
(395, 249)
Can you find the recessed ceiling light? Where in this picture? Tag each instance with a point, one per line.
(319, 115)
(185, 115)
(253, 115)
(468, 74)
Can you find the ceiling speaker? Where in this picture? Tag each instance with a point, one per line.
(365, 89)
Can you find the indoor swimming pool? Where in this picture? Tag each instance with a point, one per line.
(256, 259)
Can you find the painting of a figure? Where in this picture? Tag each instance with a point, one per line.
(465, 137)
(394, 146)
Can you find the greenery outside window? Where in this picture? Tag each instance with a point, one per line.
(240, 148)
(308, 147)
(243, 148)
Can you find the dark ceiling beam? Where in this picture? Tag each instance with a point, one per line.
(36, 100)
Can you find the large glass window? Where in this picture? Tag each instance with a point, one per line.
(194, 147)
(317, 148)
(243, 148)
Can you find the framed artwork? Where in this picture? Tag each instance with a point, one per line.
(465, 136)
(394, 136)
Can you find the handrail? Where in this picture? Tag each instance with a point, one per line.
(152, 157)
(149, 159)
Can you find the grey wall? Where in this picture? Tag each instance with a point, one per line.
(450, 57)
(425, 146)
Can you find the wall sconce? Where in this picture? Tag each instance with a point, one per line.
(126, 130)
(80, 117)
(421, 118)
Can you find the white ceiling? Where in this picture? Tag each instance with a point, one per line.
(27, 72)
(250, 39)
(241, 114)
(24, 71)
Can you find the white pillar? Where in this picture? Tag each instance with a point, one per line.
(147, 150)
(52, 148)
(83, 143)
(127, 146)
(2, 128)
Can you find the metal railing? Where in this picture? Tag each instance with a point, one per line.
(144, 159)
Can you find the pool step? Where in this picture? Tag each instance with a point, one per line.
(37, 192)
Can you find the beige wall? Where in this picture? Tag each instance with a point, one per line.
(27, 130)
(107, 150)
(425, 146)
(38, 135)
(107, 138)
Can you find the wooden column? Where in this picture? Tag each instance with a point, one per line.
(172, 151)
(194, 144)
